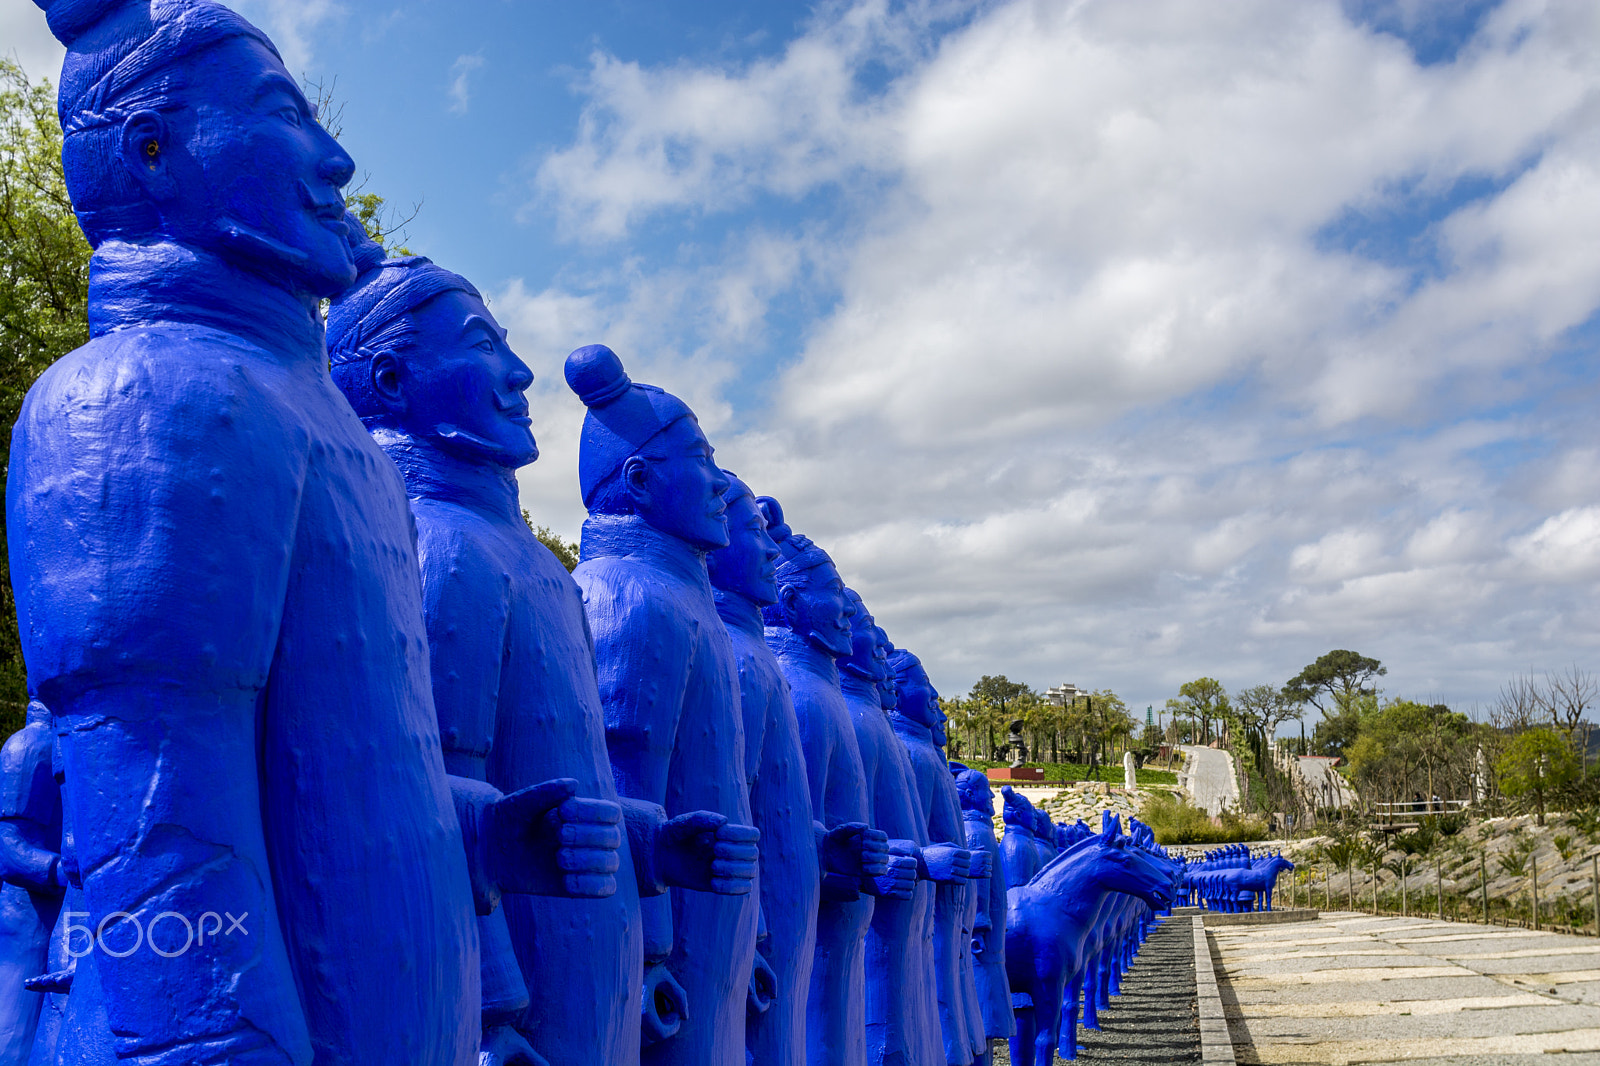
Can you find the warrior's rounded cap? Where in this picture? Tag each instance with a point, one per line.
(113, 46)
(623, 416)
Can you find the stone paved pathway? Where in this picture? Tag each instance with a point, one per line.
(1153, 1020)
(1351, 988)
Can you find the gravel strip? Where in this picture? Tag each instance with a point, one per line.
(1154, 1020)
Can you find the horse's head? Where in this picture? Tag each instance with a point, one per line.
(1121, 866)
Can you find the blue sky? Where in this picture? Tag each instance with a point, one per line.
(1116, 341)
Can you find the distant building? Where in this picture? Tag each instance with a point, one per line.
(1063, 694)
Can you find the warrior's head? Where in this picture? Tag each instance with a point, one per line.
(919, 702)
(642, 453)
(1017, 810)
(416, 352)
(748, 565)
(974, 788)
(811, 595)
(181, 124)
(863, 660)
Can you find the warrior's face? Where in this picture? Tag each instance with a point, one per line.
(462, 386)
(862, 660)
(918, 701)
(887, 694)
(748, 565)
(817, 608)
(677, 487)
(244, 170)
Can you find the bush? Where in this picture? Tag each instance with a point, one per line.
(1176, 822)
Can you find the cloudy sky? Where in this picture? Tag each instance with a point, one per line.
(1117, 341)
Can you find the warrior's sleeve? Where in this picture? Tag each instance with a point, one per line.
(467, 607)
(643, 658)
(30, 812)
(152, 508)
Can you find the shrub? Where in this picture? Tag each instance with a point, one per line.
(1175, 821)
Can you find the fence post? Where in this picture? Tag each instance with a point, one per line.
(1350, 884)
(1594, 862)
(1404, 903)
(1535, 865)
(1374, 888)
(1438, 873)
(1483, 880)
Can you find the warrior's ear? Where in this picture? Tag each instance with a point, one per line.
(145, 149)
(386, 382)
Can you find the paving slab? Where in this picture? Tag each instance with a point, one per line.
(1352, 988)
(1155, 1020)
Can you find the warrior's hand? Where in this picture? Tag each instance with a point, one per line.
(946, 864)
(504, 1046)
(980, 866)
(704, 851)
(899, 881)
(545, 840)
(852, 850)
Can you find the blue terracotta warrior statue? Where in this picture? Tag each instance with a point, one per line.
(902, 1001)
(745, 579)
(808, 630)
(427, 367)
(35, 877)
(1019, 852)
(989, 934)
(919, 722)
(669, 682)
(218, 596)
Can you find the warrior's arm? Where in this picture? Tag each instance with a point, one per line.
(643, 659)
(541, 838)
(152, 514)
(25, 863)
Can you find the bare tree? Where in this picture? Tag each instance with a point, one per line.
(1568, 697)
(1519, 705)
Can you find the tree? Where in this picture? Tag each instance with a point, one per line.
(1335, 679)
(1567, 698)
(1204, 700)
(1536, 763)
(566, 552)
(995, 696)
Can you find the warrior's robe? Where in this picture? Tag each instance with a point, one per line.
(218, 594)
(994, 991)
(950, 945)
(670, 690)
(30, 858)
(836, 1016)
(518, 703)
(902, 1006)
(780, 800)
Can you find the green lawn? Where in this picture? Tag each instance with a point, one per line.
(1055, 772)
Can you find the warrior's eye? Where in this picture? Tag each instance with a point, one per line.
(291, 115)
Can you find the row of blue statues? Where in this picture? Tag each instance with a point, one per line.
(1234, 879)
(330, 761)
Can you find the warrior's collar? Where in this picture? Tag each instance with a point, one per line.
(136, 285)
(631, 537)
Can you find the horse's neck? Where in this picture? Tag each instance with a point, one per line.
(1073, 875)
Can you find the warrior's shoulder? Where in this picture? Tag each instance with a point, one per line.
(163, 379)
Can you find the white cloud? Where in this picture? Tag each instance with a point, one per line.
(461, 71)
(1097, 390)
(294, 26)
(27, 39)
